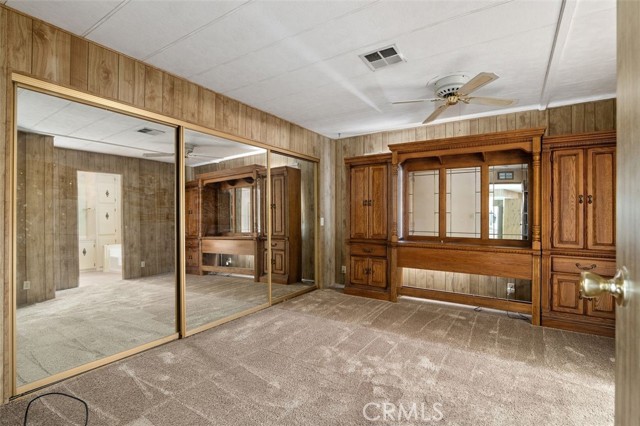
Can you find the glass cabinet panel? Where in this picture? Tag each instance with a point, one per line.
(424, 203)
(463, 202)
(508, 202)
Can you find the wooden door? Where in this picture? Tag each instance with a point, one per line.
(565, 294)
(359, 267)
(568, 199)
(191, 217)
(378, 272)
(377, 202)
(108, 214)
(359, 201)
(601, 198)
(279, 262)
(628, 219)
(278, 210)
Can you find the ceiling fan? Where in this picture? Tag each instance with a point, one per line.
(189, 152)
(456, 88)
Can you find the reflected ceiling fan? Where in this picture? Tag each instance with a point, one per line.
(189, 152)
(456, 88)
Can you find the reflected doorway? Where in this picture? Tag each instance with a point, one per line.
(99, 224)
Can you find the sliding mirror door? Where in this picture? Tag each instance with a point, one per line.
(225, 229)
(293, 226)
(95, 235)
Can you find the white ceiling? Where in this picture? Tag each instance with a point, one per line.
(86, 128)
(299, 59)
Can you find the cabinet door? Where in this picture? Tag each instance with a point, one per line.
(565, 295)
(279, 261)
(191, 217)
(359, 267)
(568, 199)
(377, 202)
(601, 198)
(278, 200)
(359, 200)
(378, 272)
(602, 307)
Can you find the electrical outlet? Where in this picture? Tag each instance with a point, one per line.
(26, 285)
(142, 264)
(344, 269)
(511, 288)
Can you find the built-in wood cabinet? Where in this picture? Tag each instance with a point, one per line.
(368, 266)
(369, 186)
(286, 231)
(579, 180)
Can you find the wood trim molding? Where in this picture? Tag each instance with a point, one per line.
(368, 159)
(467, 299)
(579, 139)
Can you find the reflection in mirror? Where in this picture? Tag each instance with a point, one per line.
(95, 233)
(463, 202)
(224, 195)
(424, 203)
(293, 221)
(508, 202)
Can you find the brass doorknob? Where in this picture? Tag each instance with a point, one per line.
(593, 285)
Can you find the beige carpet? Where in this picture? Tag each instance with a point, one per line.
(319, 359)
(106, 315)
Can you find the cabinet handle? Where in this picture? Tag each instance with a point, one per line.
(274, 244)
(586, 267)
(370, 203)
(580, 199)
(367, 250)
(589, 199)
(367, 271)
(364, 203)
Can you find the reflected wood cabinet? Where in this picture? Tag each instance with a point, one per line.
(579, 180)
(367, 269)
(225, 223)
(192, 241)
(286, 231)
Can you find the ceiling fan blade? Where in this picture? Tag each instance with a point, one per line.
(194, 155)
(436, 113)
(157, 154)
(488, 101)
(477, 82)
(417, 100)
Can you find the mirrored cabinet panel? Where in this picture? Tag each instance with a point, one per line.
(95, 234)
(225, 195)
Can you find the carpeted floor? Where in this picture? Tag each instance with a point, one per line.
(319, 359)
(107, 315)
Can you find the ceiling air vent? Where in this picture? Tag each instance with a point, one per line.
(151, 132)
(382, 57)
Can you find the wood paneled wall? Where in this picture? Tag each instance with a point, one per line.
(41, 50)
(478, 285)
(578, 118)
(35, 228)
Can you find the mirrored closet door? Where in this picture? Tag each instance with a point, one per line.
(225, 229)
(95, 269)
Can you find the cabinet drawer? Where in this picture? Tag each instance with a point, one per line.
(368, 250)
(278, 244)
(575, 265)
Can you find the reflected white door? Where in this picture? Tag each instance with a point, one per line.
(108, 213)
